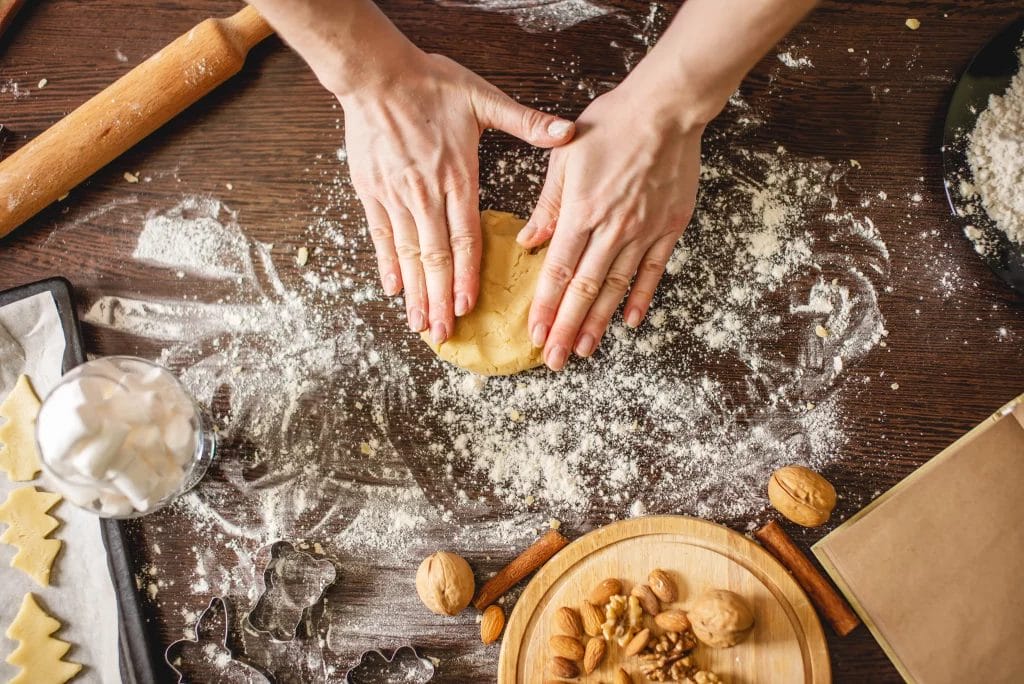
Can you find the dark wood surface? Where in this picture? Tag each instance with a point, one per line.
(882, 104)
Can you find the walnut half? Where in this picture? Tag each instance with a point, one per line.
(623, 619)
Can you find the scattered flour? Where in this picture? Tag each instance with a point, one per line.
(538, 15)
(996, 154)
(792, 62)
(729, 378)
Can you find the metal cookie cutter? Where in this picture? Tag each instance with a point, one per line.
(404, 666)
(294, 582)
(208, 657)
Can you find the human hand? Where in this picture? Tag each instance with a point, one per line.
(614, 203)
(412, 142)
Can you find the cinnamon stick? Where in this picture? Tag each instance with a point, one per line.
(536, 555)
(832, 606)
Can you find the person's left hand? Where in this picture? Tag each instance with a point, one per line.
(615, 201)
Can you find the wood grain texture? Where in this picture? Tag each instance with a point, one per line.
(881, 104)
(786, 645)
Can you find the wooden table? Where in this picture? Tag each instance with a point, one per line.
(881, 103)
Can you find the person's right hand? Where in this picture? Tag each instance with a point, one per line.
(412, 140)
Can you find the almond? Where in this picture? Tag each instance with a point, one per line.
(662, 586)
(567, 621)
(563, 667)
(593, 618)
(623, 677)
(672, 621)
(637, 643)
(566, 646)
(647, 599)
(594, 654)
(600, 594)
(491, 624)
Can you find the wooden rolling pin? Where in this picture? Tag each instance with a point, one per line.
(131, 108)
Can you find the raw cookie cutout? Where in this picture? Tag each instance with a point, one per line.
(18, 454)
(38, 654)
(24, 512)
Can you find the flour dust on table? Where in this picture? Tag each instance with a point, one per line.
(338, 429)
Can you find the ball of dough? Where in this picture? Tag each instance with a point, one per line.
(492, 339)
(721, 618)
(445, 583)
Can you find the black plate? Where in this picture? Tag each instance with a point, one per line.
(136, 665)
(990, 72)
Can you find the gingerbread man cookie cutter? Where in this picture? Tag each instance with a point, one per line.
(294, 583)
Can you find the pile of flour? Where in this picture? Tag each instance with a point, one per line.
(996, 155)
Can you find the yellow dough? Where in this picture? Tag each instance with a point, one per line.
(492, 339)
(18, 454)
(24, 512)
(38, 654)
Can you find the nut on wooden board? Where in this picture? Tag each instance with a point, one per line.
(567, 621)
(802, 495)
(721, 618)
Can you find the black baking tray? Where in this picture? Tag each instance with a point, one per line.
(136, 663)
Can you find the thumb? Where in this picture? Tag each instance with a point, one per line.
(541, 225)
(527, 124)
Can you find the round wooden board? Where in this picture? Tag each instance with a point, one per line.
(786, 645)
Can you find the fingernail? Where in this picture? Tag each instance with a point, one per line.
(539, 335)
(585, 345)
(461, 305)
(526, 233)
(558, 128)
(417, 321)
(438, 332)
(633, 318)
(557, 357)
(390, 285)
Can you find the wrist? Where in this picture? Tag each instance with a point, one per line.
(671, 94)
(353, 76)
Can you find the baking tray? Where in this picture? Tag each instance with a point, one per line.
(133, 644)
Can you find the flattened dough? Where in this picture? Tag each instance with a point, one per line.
(38, 654)
(24, 513)
(492, 339)
(18, 454)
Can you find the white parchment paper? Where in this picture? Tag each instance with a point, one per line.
(81, 593)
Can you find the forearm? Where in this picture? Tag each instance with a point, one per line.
(711, 45)
(349, 44)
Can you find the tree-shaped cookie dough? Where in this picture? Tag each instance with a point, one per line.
(18, 454)
(24, 512)
(38, 654)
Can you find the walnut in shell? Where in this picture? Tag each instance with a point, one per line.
(802, 495)
(445, 583)
(721, 618)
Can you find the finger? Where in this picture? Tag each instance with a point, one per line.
(407, 247)
(557, 271)
(500, 111)
(580, 295)
(541, 225)
(616, 283)
(436, 258)
(383, 245)
(652, 267)
(467, 245)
